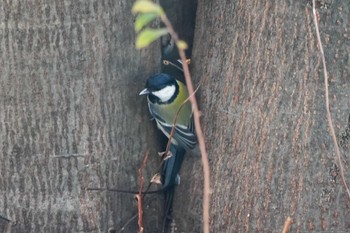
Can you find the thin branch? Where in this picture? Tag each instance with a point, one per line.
(139, 196)
(128, 222)
(6, 219)
(329, 116)
(122, 229)
(68, 156)
(166, 62)
(287, 225)
(199, 132)
(128, 191)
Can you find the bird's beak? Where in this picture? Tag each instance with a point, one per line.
(144, 92)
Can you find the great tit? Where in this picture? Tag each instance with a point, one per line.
(165, 97)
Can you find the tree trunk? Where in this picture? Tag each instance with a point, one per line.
(263, 104)
(71, 118)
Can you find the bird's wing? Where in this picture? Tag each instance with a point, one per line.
(184, 134)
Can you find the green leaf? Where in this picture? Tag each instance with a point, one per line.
(145, 6)
(143, 19)
(182, 45)
(148, 35)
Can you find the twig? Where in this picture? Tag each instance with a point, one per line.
(329, 116)
(199, 132)
(122, 229)
(139, 196)
(287, 225)
(128, 222)
(127, 191)
(6, 219)
(166, 62)
(68, 156)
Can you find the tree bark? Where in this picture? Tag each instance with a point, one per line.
(263, 104)
(71, 118)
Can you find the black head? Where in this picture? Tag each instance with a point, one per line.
(161, 88)
(159, 81)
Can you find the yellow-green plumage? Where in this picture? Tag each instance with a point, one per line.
(165, 97)
(169, 111)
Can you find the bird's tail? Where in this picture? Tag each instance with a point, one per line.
(170, 178)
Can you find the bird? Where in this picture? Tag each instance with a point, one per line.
(165, 96)
(168, 104)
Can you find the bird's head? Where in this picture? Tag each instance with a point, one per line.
(161, 88)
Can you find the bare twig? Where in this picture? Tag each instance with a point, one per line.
(139, 196)
(329, 116)
(68, 156)
(127, 191)
(287, 225)
(128, 222)
(166, 62)
(199, 132)
(6, 219)
(122, 229)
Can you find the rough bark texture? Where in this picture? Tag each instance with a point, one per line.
(71, 117)
(262, 97)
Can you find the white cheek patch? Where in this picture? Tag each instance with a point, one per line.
(166, 93)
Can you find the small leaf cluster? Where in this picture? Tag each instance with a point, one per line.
(147, 12)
